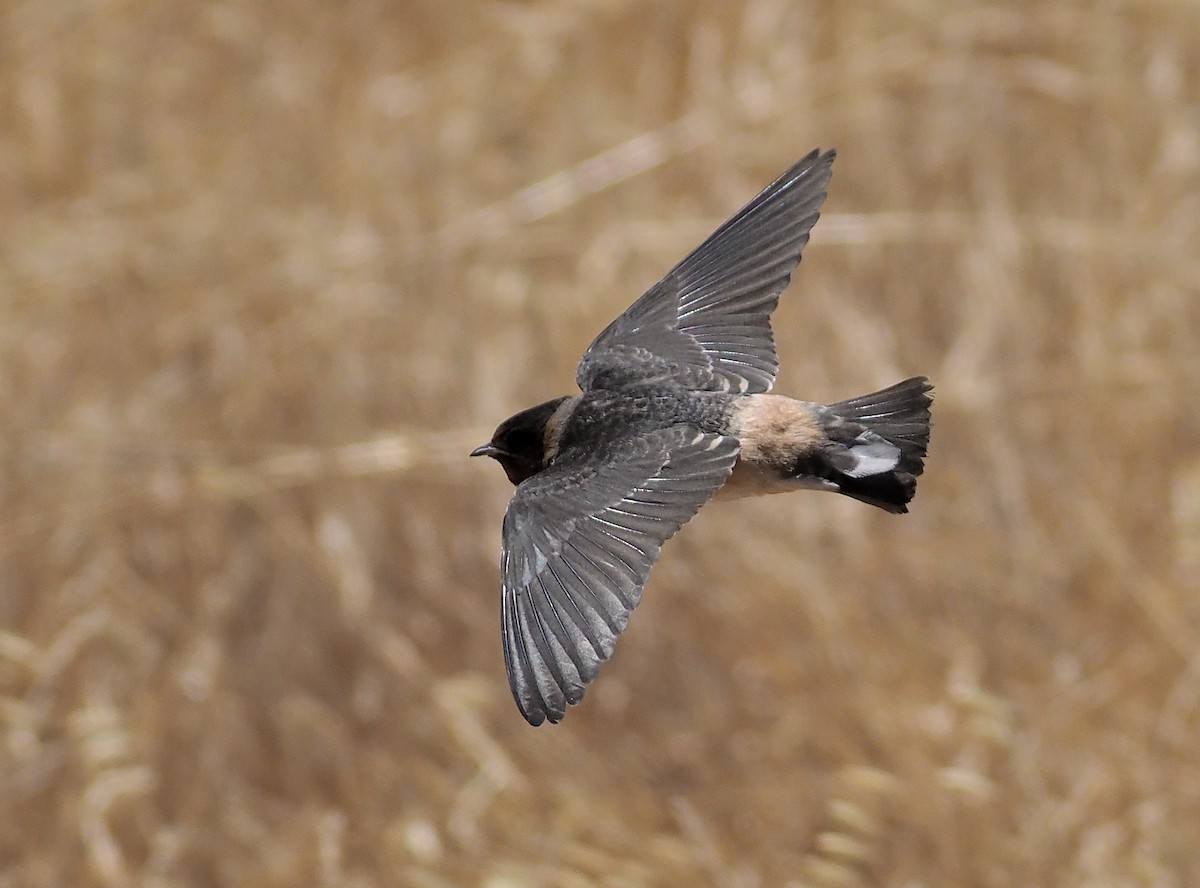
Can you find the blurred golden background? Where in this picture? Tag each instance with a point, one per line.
(269, 271)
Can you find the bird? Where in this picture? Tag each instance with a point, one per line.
(675, 406)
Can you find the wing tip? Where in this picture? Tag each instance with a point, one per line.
(816, 167)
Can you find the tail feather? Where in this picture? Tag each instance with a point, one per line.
(877, 444)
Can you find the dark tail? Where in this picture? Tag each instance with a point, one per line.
(877, 444)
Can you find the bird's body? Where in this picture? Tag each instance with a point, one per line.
(675, 407)
(784, 444)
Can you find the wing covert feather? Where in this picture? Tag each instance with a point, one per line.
(706, 325)
(579, 542)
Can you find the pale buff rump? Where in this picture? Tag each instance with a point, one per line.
(775, 432)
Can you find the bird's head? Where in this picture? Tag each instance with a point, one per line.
(519, 443)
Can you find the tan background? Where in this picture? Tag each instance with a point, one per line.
(268, 271)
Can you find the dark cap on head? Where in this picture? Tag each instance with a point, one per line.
(519, 443)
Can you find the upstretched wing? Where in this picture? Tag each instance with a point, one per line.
(706, 325)
(579, 541)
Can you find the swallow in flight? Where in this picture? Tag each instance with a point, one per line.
(675, 406)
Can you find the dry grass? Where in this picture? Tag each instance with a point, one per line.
(268, 271)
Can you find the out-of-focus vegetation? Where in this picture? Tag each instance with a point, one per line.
(267, 272)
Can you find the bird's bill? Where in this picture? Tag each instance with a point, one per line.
(488, 449)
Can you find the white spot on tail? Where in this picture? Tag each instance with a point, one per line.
(874, 458)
